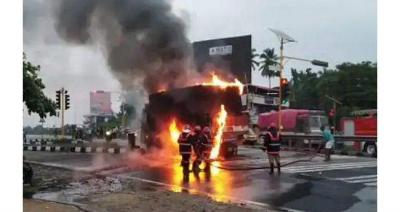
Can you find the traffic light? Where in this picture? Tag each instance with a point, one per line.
(58, 99)
(66, 97)
(285, 89)
(332, 113)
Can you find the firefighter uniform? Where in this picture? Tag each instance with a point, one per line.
(272, 142)
(196, 139)
(185, 149)
(206, 146)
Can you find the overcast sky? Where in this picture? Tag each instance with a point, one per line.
(334, 31)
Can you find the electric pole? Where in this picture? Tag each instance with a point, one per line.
(283, 38)
(280, 87)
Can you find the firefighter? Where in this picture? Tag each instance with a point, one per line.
(206, 146)
(185, 148)
(196, 140)
(272, 142)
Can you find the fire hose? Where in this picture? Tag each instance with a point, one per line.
(313, 155)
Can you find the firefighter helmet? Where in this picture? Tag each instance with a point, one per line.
(186, 129)
(197, 128)
(206, 129)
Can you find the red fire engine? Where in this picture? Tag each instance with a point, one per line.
(362, 122)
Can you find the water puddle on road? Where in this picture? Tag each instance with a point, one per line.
(79, 190)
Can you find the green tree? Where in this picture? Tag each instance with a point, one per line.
(33, 95)
(121, 119)
(268, 58)
(127, 113)
(254, 62)
(304, 94)
(355, 85)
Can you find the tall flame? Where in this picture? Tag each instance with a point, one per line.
(221, 121)
(174, 131)
(216, 81)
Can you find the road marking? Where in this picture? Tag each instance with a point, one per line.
(357, 177)
(371, 184)
(311, 167)
(362, 180)
(328, 167)
(367, 180)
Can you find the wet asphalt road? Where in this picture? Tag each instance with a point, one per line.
(344, 184)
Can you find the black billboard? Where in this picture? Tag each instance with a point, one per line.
(228, 54)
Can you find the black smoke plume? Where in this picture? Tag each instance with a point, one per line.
(144, 41)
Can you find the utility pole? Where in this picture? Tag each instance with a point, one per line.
(283, 38)
(62, 113)
(62, 101)
(280, 87)
(42, 121)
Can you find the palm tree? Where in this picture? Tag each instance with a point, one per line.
(269, 58)
(254, 63)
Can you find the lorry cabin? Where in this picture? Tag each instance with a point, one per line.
(295, 120)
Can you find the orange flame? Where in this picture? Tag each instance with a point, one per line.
(221, 120)
(216, 81)
(174, 132)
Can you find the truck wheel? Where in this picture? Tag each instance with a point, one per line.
(371, 149)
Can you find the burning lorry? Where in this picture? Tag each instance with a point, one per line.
(168, 111)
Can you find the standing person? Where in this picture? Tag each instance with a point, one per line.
(272, 142)
(185, 148)
(329, 141)
(206, 146)
(196, 140)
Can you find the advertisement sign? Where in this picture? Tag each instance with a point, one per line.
(231, 55)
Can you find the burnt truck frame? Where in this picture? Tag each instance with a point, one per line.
(194, 105)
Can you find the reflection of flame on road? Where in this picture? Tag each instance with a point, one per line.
(220, 121)
(221, 182)
(216, 81)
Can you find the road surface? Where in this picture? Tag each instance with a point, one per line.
(346, 183)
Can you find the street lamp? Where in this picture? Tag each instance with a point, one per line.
(314, 62)
(283, 38)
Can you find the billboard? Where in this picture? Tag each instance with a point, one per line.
(100, 103)
(232, 55)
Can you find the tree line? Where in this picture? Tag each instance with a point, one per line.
(353, 84)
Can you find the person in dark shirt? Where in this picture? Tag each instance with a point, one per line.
(185, 148)
(272, 143)
(196, 139)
